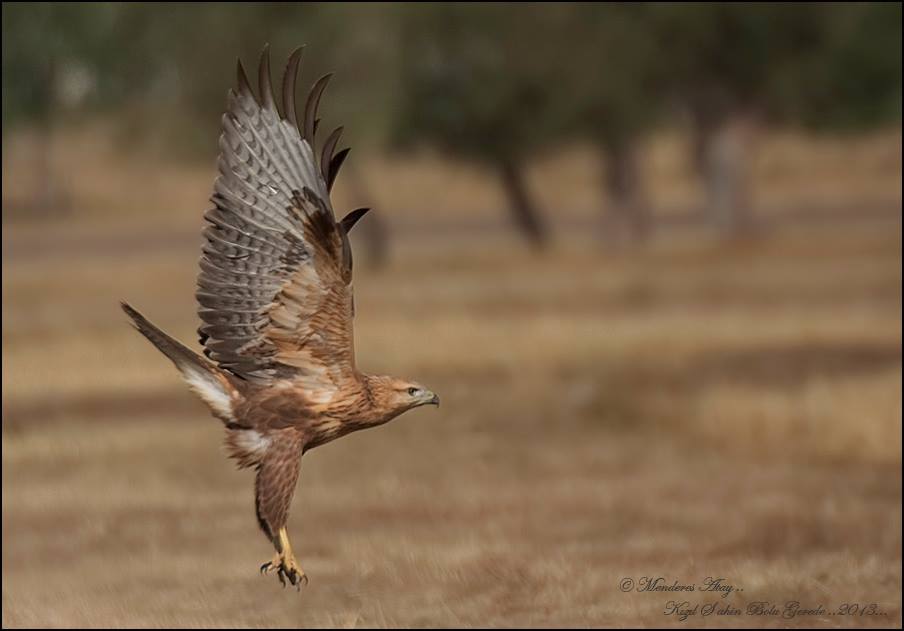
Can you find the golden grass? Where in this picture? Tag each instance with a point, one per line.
(691, 409)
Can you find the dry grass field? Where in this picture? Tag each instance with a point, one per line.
(695, 408)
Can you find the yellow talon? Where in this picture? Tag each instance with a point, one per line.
(284, 563)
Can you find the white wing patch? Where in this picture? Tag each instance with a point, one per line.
(211, 390)
(247, 446)
(251, 442)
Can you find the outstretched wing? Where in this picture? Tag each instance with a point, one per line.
(274, 289)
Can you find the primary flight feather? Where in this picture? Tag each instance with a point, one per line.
(276, 305)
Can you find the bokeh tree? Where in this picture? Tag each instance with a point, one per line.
(850, 81)
(146, 61)
(479, 85)
(612, 95)
(496, 84)
(47, 51)
(734, 66)
(161, 72)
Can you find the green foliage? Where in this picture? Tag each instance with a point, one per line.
(613, 85)
(166, 67)
(820, 64)
(725, 56)
(488, 81)
(480, 81)
(852, 79)
(41, 41)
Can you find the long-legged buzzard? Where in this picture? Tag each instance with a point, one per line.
(275, 301)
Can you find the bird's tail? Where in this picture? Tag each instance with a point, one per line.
(201, 375)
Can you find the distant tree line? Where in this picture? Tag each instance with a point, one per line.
(496, 84)
(500, 85)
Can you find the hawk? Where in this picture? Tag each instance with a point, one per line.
(275, 301)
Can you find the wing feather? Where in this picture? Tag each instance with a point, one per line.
(310, 111)
(274, 289)
(335, 164)
(327, 153)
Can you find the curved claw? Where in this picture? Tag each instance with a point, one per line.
(285, 571)
(296, 578)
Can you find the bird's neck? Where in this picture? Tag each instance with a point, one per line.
(375, 401)
(363, 404)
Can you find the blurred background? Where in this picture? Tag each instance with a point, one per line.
(649, 255)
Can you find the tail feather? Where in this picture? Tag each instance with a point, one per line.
(201, 375)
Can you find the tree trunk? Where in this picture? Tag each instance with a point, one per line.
(722, 151)
(624, 189)
(522, 207)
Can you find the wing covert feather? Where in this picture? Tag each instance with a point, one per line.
(274, 290)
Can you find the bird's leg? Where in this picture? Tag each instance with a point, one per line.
(290, 566)
(284, 563)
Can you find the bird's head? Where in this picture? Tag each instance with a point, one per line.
(395, 396)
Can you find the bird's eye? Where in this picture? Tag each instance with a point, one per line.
(413, 391)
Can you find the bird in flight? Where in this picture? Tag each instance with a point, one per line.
(276, 305)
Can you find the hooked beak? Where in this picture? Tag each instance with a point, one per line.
(434, 400)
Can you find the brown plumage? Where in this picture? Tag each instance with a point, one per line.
(275, 301)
